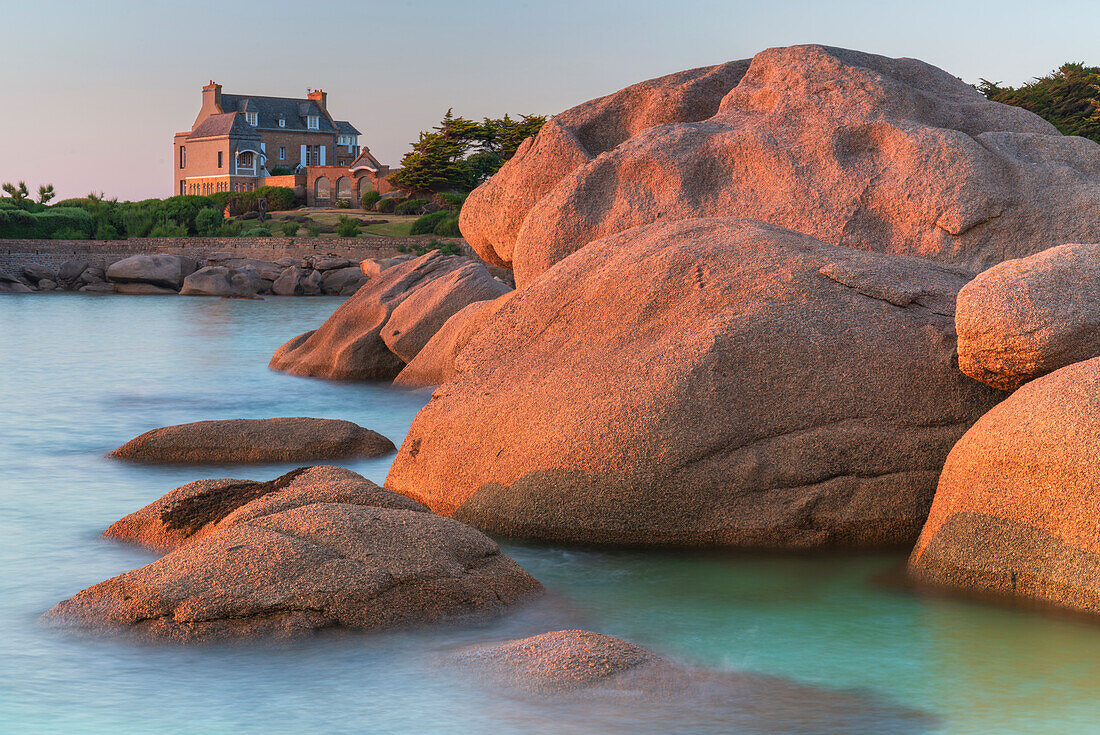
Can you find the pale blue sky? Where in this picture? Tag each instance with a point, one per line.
(94, 90)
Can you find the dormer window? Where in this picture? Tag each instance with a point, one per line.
(282, 122)
(313, 122)
(252, 118)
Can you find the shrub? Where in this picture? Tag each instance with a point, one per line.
(313, 230)
(444, 247)
(257, 232)
(453, 201)
(448, 226)
(347, 227)
(411, 206)
(229, 228)
(69, 233)
(168, 229)
(343, 204)
(282, 171)
(208, 221)
(19, 223)
(388, 204)
(426, 224)
(290, 228)
(140, 222)
(369, 199)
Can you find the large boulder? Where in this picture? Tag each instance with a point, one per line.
(70, 270)
(291, 282)
(165, 271)
(190, 512)
(880, 154)
(307, 568)
(712, 382)
(1016, 510)
(342, 281)
(237, 441)
(435, 363)
(218, 280)
(571, 667)
(423, 312)
(11, 284)
(266, 269)
(35, 273)
(353, 343)
(1030, 316)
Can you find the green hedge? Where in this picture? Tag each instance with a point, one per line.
(443, 223)
(44, 225)
(279, 199)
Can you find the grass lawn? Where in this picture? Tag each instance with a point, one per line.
(397, 225)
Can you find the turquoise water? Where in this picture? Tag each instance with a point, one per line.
(82, 374)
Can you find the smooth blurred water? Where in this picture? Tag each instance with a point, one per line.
(82, 374)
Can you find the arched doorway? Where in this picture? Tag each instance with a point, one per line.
(321, 189)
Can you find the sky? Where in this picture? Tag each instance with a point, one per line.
(94, 90)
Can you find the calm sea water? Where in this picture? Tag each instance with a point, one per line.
(82, 374)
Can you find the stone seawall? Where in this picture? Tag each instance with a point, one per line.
(15, 254)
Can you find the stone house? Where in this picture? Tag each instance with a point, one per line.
(237, 140)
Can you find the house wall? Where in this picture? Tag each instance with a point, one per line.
(333, 174)
(293, 142)
(202, 161)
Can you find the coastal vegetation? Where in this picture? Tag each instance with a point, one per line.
(1066, 98)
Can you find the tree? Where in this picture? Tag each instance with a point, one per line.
(459, 154)
(1067, 98)
(18, 193)
(45, 193)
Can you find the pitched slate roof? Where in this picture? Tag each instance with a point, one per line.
(270, 109)
(226, 123)
(345, 128)
(365, 160)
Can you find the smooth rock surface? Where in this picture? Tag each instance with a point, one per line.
(865, 151)
(70, 270)
(289, 282)
(303, 569)
(254, 440)
(350, 345)
(195, 509)
(342, 280)
(1028, 317)
(166, 271)
(217, 280)
(1016, 509)
(712, 382)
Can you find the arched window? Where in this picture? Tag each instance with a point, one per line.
(321, 188)
(343, 188)
(365, 185)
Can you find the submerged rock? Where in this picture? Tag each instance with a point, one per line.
(164, 271)
(855, 149)
(303, 569)
(353, 344)
(1016, 509)
(254, 440)
(1028, 317)
(714, 382)
(571, 667)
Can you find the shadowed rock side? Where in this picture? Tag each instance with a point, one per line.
(880, 154)
(435, 363)
(352, 344)
(240, 441)
(1028, 317)
(193, 510)
(571, 665)
(492, 215)
(1016, 508)
(703, 382)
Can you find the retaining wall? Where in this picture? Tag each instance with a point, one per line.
(14, 254)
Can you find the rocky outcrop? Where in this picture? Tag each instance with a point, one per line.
(571, 666)
(707, 383)
(353, 344)
(217, 280)
(11, 284)
(237, 441)
(880, 154)
(306, 568)
(1016, 507)
(1028, 317)
(163, 271)
(197, 508)
(342, 281)
(435, 363)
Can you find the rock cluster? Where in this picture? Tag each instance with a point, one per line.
(709, 382)
(387, 322)
(240, 441)
(874, 153)
(315, 549)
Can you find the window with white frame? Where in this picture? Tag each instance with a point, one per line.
(252, 118)
(313, 122)
(282, 122)
(282, 153)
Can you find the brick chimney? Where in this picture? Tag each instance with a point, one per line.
(319, 96)
(212, 97)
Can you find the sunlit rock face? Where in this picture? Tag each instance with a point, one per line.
(1030, 316)
(568, 667)
(708, 382)
(1016, 510)
(388, 320)
(880, 154)
(315, 549)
